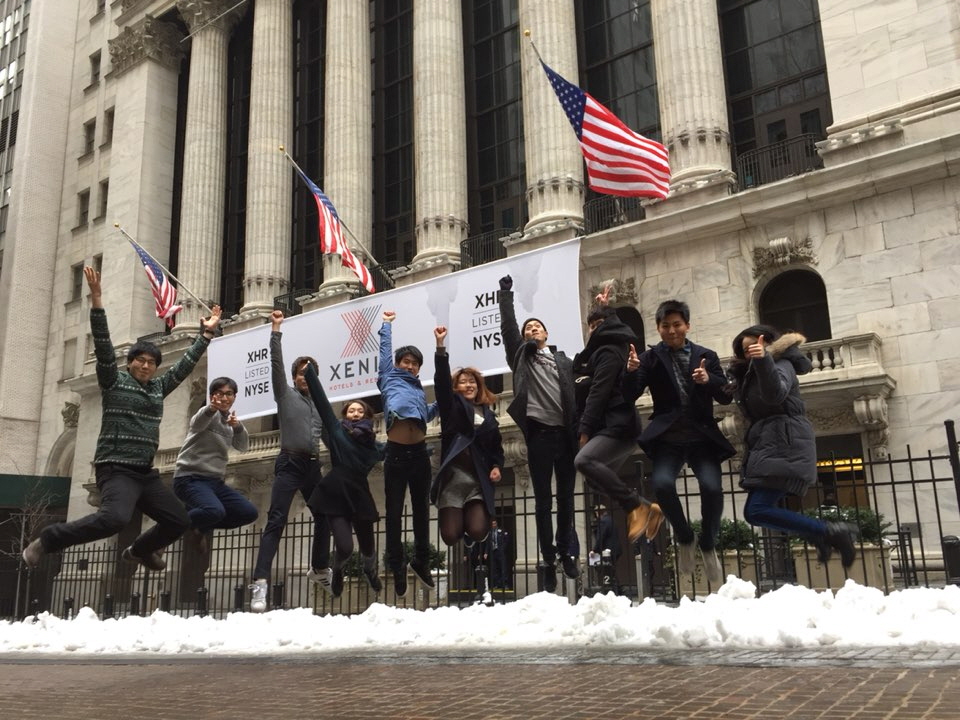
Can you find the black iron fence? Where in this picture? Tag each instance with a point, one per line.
(777, 161)
(609, 211)
(906, 510)
(484, 248)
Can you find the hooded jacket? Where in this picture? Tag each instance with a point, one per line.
(606, 410)
(781, 450)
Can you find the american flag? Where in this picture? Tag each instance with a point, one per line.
(331, 234)
(619, 161)
(164, 293)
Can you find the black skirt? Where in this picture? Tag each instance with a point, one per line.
(344, 493)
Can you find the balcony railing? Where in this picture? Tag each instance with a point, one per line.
(794, 156)
(484, 248)
(288, 302)
(610, 211)
(382, 279)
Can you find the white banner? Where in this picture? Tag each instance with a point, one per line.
(344, 338)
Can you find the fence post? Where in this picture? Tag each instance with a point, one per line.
(35, 608)
(277, 596)
(202, 601)
(165, 601)
(954, 455)
(68, 608)
(238, 597)
(107, 606)
(135, 603)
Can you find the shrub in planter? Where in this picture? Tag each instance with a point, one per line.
(734, 534)
(871, 523)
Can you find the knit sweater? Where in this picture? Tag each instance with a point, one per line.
(130, 420)
(205, 449)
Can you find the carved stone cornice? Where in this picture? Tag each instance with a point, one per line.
(70, 414)
(782, 252)
(198, 14)
(871, 411)
(148, 39)
(835, 418)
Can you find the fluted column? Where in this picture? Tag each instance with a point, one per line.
(693, 105)
(204, 162)
(348, 133)
(266, 270)
(440, 135)
(554, 165)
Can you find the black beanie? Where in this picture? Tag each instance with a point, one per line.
(531, 319)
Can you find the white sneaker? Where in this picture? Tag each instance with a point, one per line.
(321, 578)
(258, 598)
(687, 557)
(711, 567)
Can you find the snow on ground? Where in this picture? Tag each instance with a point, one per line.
(734, 616)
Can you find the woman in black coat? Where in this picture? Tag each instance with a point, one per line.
(781, 452)
(343, 494)
(471, 452)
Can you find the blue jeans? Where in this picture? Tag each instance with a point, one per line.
(212, 504)
(292, 474)
(762, 510)
(702, 459)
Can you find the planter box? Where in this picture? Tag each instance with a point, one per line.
(872, 567)
(742, 564)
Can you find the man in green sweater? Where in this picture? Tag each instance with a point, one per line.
(132, 401)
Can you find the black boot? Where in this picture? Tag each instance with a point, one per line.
(823, 547)
(841, 536)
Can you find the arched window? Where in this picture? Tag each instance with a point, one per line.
(797, 300)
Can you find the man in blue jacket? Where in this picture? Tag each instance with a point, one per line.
(684, 379)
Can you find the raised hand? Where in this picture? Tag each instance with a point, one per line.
(276, 319)
(603, 299)
(633, 360)
(506, 283)
(211, 323)
(700, 376)
(389, 316)
(232, 420)
(758, 349)
(440, 333)
(93, 282)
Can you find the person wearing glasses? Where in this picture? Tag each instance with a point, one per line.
(199, 477)
(132, 407)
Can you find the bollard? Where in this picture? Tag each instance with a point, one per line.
(165, 601)
(277, 596)
(201, 601)
(951, 558)
(238, 597)
(107, 606)
(68, 608)
(608, 581)
(135, 603)
(35, 607)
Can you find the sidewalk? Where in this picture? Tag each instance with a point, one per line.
(833, 684)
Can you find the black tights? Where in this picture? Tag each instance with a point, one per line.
(473, 519)
(343, 530)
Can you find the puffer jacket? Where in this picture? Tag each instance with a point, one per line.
(781, 448)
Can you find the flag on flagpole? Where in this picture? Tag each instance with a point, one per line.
(619, 161)
(331, 233)
(164, 293)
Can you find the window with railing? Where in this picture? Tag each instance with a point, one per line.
(483, 248)
(607, 211)
(777, 161)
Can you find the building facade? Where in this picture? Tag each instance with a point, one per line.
(815, 149)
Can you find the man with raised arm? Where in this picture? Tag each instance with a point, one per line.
(132, 407)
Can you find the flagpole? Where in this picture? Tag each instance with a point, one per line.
(356, 242)
(526, 34)
(180, 285)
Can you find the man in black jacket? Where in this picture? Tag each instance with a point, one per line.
(544, 409)
(684, 379)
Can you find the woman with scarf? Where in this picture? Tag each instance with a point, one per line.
(471, 452)
(343, 494)
(781, 453)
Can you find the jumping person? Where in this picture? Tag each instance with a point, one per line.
(297, 468)
(202, 463)
(544, 408)
(343, 494)
(609, 427)
(684, 379)
(471, 451)
(406, 463)
(132, 407)
(781, 451)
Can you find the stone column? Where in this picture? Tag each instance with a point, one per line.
(693, 103)
(440, 136)
(204, 162)
(554, 164)
(266, 271)
(348, 138)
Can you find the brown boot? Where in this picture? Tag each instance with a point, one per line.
(637, 520)
(654, 521)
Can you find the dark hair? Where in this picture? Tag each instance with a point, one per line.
(367, 410)
(411, 350)
(668, 307)
(484, 396)
(738, 368)
(220, 382)
(300, 362)
(600, 313)
(144, 347)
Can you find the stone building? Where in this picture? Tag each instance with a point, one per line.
(814, 145)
